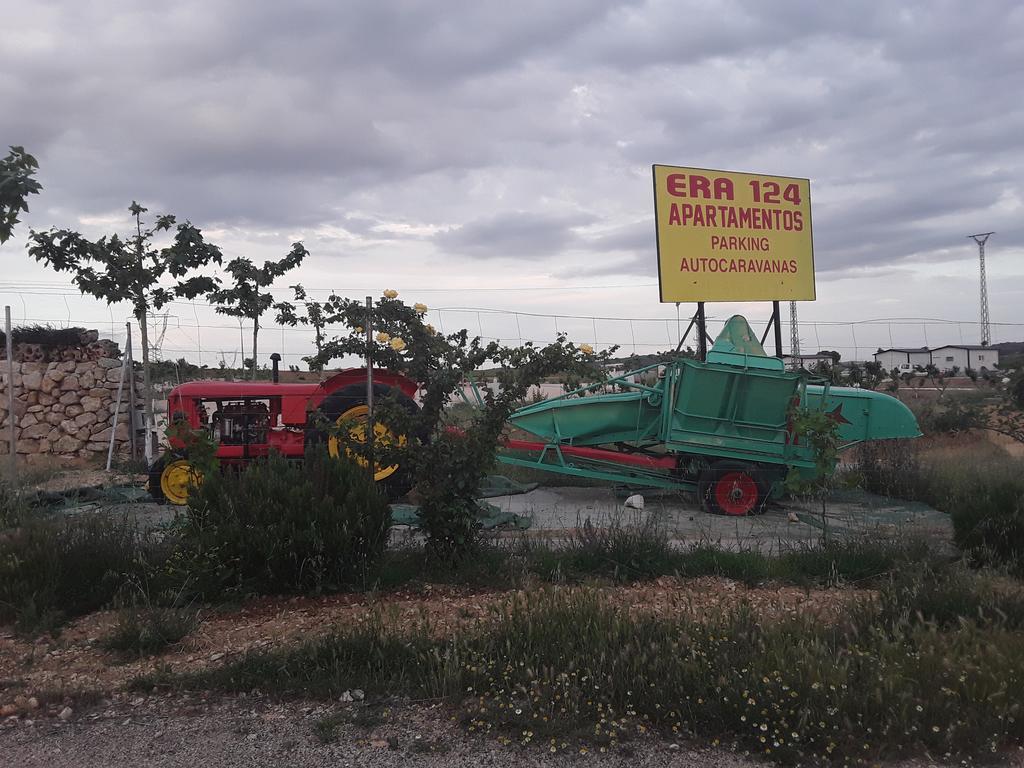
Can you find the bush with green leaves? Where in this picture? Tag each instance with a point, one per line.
(279, 526)
(56, 569)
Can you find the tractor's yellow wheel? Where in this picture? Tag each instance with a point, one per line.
(177, 478)
(356, 419)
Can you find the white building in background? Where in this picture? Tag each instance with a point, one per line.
(961, 356)
(903, 359)
(964, 356)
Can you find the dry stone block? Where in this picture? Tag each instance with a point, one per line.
(74, 409)
(109, 362)
(68, 398)
(54, 418)
(99, 392)
(32, 397)
(96, 447)
(83, 434)
(36, 408)
(68, 367)
(85, 419)
(91, 404)
(67, 444)
(35, 431)
(46, 400)
(28, 420)
(27, 446)
(68, 427)
(114, 374)
(69, 383)
(121, 433)
(86, 380)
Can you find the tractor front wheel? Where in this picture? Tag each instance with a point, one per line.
(733, 488)
(172, 477)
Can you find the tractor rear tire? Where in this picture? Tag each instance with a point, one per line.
(733, 488)
(352, 400)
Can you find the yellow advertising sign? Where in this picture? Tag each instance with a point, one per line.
(725, 236)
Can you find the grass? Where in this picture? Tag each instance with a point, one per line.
(55, 569)
(147, 630)
(565, 669)
(984, 497)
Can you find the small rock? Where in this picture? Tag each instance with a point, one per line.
(346, 696)
(66, 713)
(636, 501)
(673, 746)
(251, 737)
(216, 656)
(127, 721)
(358, 694)
(792, 517)
(33, 703)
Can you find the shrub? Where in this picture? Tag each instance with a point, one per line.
(567, 666)
(68, 567)
(985, 499)
(149, 629)
(13, 507)
(279, 526)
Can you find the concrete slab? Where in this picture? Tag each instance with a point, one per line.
(557, 511)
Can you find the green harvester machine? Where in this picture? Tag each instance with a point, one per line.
(720, 428)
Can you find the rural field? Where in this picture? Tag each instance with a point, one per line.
(884, 624)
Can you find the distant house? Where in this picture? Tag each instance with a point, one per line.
(904, 359)
(807, 362)
(964, 356)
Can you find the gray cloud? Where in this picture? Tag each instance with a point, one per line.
(523, 133)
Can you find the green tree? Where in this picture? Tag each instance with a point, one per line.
(314, 315)
(16, 184)
(447, 461)
(131, 269)
(245, 299)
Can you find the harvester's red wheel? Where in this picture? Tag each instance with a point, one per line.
(733, 488)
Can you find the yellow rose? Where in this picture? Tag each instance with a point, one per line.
(390, 294)
(430, 328)
(383, 338)
(397, 344)
(359, 329)
(586, 349)
(420, 308)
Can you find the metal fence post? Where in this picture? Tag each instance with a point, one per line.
(369, 385)
(10, 395)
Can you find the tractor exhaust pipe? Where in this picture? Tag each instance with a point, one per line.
(274, 359)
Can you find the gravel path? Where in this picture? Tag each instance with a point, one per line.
(229, 732)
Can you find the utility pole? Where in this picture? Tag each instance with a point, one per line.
(981, 239)
(794, 336)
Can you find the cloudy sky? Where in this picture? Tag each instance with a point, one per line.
(498, 156)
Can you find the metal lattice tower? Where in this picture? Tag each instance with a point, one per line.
(794, 336)
(981, 239)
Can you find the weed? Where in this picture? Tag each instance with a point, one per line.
(146, 630)
(50, 569)
(564, 669)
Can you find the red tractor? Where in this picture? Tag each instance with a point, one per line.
(249, 419)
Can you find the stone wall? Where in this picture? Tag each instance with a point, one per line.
(64, 400)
